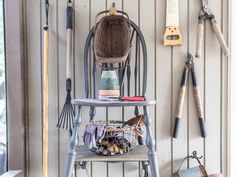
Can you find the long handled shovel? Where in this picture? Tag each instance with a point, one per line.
(45, 93)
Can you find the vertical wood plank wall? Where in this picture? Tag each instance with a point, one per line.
(165, 66)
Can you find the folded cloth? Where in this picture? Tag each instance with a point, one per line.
(215, 175)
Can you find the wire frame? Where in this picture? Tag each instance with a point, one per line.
(117, 138)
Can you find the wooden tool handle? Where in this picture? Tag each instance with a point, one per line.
(45, 102)
(198, 103)
(179, 111)
(172, 36)
(220, 37)
(69, 61)
(69, 26)
(200, 33)
(180, 103)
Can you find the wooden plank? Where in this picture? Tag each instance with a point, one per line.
(196, 142)
(147, 11)
(15, 78)
(178, 63)
(115, 113)
(163, 95)
(34, 34)
(81, 30)
(213, 93)
(147, 27)
(98, 169)
(163, 63)
(131, 7)
(225, 116)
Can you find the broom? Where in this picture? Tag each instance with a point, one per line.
(45, 93)
(66, 118)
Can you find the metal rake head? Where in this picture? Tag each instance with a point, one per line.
(66, 118)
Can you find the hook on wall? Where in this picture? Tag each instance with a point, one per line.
(194, 155)
(113, 9)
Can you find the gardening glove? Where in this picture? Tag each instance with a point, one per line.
(89, 135)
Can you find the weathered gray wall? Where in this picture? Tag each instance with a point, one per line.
(165, 67)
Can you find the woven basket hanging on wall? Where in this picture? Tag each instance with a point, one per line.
(112, 39)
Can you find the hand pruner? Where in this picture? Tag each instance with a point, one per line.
(189, 68)
(206, 14)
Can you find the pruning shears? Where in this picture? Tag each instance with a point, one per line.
(206, 14)
(189, 68)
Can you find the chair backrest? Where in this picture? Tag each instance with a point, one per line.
(132, 77)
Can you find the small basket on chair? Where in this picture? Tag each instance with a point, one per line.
(110, 138)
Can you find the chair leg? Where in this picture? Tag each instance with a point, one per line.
(141, 141)
(150, 142)
(92, 113)
(145, 167)
(73, 145)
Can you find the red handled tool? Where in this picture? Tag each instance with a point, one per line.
(130, 98)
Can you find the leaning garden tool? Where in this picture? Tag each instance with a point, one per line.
(45, 93)
(206, 14)
(172, 35)
(66, 118)
(189, 67)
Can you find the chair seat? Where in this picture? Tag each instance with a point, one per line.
(138, 154)
(98, 103)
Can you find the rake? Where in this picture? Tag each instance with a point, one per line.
(66, 118)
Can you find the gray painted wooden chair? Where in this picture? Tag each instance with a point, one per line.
(133, 82)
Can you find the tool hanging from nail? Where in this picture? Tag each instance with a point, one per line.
(172, 35)
(45, 91)
(66, 118)
(189, 67)
(206, 14)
